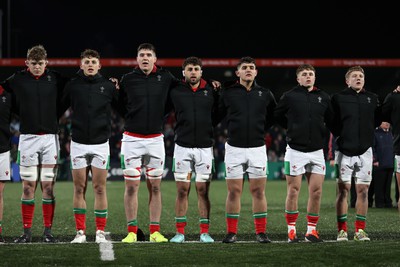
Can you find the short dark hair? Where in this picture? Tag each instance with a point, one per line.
(304, 67)
(90, 53)
(37, 53)
(192, 61)
(246, 60)
(146, 46)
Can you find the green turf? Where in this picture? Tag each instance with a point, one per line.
(382, 227)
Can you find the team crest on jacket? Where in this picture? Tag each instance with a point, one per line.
(102, 89)
(259, 93)
(48, 78)
(369, 100)
(159, 78)
(205, 93)
(319, 99)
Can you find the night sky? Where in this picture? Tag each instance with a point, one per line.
(279, 30)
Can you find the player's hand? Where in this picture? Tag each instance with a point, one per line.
(216, 84)
(115, 81)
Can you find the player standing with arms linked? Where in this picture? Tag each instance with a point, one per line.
(91, 96)
(249, 114)
(357, 114)
(37, 91)
(143, 94)
(304, 111)
(195, 103)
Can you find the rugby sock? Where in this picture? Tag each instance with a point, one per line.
(204, 225)
(180, 223)
(80, 219)
(260, 222)
(48, 206)
(101, 219)
(342, 222)
(360, 222)
(133, 226)
(154, 227)
(232, 220)
(312, 220)
(27, 209)
(291, 219)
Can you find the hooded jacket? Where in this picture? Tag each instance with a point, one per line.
(356, 117)
(306, 116)
(143, 99)
(37, 100)
(194, 112)
(249, 114)
(91, 99)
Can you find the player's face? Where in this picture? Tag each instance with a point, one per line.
(90, 66)
(146, 60)
(36, 67)
(306, 78)
(356, 80)
(192, 74)
(247, 72)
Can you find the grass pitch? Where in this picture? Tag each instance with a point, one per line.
(382, 227)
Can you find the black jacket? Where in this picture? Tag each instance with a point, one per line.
(5, 118)
(383, 149)
(194, 113)
(143, 99)
(90, 98)
(306, 116)
(356, 117)
(249, 114)
(37, 99)
(391, 113)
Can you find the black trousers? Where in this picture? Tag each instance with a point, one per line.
(353, 193)
(381, 188)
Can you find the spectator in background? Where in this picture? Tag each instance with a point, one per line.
(391, 114)
(249, 114)
(37, 92)
(195, 102)
(5, 146)
(305, 111)
(356, 113)
(381, 184)
(91, 97)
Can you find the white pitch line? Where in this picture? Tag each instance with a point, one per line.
(106, 251)
(237, 242)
